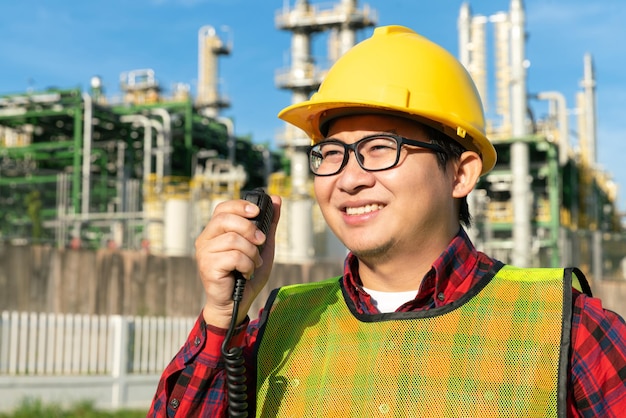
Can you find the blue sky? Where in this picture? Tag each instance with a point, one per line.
(63, 43)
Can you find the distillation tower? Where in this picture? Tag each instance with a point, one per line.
(209, 100)
(304, 20)
(210, 48)
(510, 37)
(541, 194)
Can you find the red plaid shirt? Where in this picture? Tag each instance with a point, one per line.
(193, 384)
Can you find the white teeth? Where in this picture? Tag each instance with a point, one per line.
(363, 209)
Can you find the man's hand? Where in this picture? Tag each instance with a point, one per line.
(229, 242)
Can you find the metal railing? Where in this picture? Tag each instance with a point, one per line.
(113, 360)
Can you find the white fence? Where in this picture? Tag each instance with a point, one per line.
(114, 361)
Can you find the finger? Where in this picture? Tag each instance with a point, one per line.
(227, 222)
(227, 252)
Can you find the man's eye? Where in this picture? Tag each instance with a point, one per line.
(381, 147)
(331, 152)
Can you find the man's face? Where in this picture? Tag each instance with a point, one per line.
(393, 212)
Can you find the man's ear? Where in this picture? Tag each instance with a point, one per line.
(467, 172)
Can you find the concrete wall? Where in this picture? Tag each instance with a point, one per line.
(109, 282)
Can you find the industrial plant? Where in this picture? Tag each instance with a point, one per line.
(144, 171)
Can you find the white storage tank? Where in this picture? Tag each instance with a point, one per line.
(153, 210)
(176, 233)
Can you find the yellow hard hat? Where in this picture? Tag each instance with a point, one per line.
(399, 71)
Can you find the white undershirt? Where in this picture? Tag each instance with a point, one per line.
(390, 301)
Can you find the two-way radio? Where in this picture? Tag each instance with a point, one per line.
(233, 357)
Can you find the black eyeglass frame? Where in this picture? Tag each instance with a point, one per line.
(400, 140)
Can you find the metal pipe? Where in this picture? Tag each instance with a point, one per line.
(347, 34)
(119, 169)
(478, 56)
(518, 69)
(148, 125)
(147, 142)
(589, 89)
(502, 39)
(167, 139)
(62, 186)
(102, 216)
(589, 114)
(160, 150)
(300, 55)
(560, 111)
(300, 65)
(472, 46)
(464, 34)
(520, 187)
(87, 137)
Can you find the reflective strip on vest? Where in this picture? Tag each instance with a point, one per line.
(494, 353)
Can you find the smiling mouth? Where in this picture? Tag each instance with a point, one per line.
(363, 209)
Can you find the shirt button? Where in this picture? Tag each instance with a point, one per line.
(197, 341)
(174, 403)
(441, 296)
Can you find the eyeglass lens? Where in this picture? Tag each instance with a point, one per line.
(373, 154)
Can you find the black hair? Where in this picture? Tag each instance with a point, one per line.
(452, 151)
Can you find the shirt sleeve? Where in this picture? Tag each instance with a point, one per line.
(193, 384)
(598, 360)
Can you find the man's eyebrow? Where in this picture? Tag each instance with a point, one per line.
(390, 131)
(393, 131)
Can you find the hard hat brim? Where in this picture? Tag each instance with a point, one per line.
(313, 118)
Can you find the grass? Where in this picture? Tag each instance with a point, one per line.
(30, 408)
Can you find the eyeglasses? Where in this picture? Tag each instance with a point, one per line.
(373, 153)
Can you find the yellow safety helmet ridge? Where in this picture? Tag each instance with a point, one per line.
(401, 72)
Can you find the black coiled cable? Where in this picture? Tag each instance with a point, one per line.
(234, 361)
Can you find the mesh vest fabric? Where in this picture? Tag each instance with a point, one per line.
(496, 352)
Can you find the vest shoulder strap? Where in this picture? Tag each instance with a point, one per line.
(579, 281)
(571, 276)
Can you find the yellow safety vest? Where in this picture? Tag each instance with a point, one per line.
(499, 351)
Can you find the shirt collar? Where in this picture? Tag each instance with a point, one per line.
(444, 282)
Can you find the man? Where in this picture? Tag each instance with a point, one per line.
(421, 323)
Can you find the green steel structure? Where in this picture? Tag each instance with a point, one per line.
(49, 193)
(569, 203)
